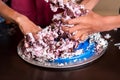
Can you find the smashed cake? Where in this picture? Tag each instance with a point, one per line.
(54, 45)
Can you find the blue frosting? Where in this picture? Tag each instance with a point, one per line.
(87, 53)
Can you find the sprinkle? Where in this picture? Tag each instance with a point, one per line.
(107, 36)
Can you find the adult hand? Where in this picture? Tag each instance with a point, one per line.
(85, 25)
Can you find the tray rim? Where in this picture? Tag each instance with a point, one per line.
(55, 66)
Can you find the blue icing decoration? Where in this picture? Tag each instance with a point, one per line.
(87, 53)
(83, 45)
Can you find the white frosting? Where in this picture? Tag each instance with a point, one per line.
(52, 42)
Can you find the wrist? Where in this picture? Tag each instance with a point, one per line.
(13, 17)
(111, 22)
(18, 18)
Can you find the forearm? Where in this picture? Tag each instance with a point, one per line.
(90, 4)
(112, 22)
(8, 13)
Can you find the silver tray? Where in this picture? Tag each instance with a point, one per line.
(59, 66)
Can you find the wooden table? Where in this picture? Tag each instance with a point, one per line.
(12, 67)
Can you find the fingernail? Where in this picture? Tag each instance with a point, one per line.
(74, 33)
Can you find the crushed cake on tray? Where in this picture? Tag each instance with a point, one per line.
(53, 43)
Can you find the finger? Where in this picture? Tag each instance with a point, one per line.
(75, 20)
(65, 1)
(22, 30)
(66, 29)
(76, 28)
(36, 29)
(79, 34)
(39, 28)
(36, 35)
(84, 36)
